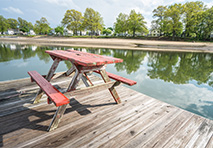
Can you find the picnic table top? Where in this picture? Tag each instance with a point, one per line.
(83, 58)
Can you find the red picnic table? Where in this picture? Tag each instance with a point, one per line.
(82, 63)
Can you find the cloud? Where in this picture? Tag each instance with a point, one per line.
(64, 3)
(208, 4)
(13, 10)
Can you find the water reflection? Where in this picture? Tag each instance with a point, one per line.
(180, 68)
(181, 79)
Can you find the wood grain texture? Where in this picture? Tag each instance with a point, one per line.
(112, 90)
(54, 94)
(95, 120)
(119, 78)
(83, 58)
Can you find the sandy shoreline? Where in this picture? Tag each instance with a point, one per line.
(132, 44)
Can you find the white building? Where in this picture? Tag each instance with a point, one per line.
(68, 32)
(211, 35)
(155, 33)
(10, 32)
(31, 32)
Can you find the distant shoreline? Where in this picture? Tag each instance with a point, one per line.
(132, 44)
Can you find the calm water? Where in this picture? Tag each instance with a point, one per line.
(182, 79)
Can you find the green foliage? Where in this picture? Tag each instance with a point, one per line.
(121, 24)
(107, 31)
(24, 25)
(191, 11)
(3, 24)
(92, 21)
(132, 23)
(173, 13)
(12, 23)
(136, 22)
(110, 28)
(205, 25)
(42, 26)
(160, 22)
(59, 30)
(73, 20)
(191, 19)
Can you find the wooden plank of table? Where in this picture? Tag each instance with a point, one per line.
(84, 59)
(48, 78)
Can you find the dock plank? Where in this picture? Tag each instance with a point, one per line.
(181, 138)
(202, 135)
(94, 120)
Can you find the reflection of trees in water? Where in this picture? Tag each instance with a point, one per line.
(6, 54)
(180, 68)
(40, 51)
(68, 64)
(10, 52)
(132, 60)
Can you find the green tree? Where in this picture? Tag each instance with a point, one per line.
(59, 30)
(160, 22)
(106, 31)
(121, 24)
(191, 10)
(3, 24)
(136, 22)
(73, 20)
(173, 14)
(42, 26)
(24, 25)
(13, 23)
(110, 28)
(92, 21)
(207, 23)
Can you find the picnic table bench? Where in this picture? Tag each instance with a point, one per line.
(82, 63)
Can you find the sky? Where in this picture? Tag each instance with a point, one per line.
(54, 10)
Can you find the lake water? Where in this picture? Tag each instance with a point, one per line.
(181, 79)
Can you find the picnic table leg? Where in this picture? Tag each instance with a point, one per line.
(75, 80)
(86, 79)
(57, 117)
(70, 71)
(48, 78)
(112, 89)
(85, 75)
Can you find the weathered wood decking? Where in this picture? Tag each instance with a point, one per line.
(96, 121)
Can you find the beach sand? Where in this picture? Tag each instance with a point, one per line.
(133, 44)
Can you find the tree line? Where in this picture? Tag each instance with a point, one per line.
(192, 19)
(188, 20)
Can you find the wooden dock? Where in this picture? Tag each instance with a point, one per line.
(96, 121)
